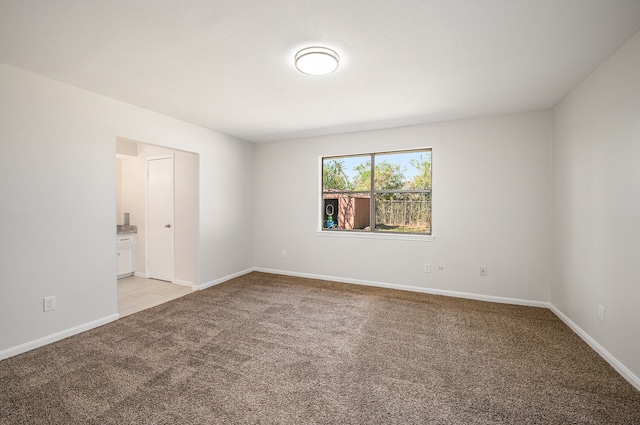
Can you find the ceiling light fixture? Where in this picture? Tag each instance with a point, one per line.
(317, 61)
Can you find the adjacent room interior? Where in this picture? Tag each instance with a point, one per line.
(524, 206)
(155, 268)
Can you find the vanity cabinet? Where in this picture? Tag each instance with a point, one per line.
(126, 255)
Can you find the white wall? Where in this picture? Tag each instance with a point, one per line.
(58, 192)
(596, 196)
(491, 206)
(129, 194)
(119, 206)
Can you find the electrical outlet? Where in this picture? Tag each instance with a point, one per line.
(49, 303)
(427, 268)
(283, 255)
(483, 271)
(601, 313)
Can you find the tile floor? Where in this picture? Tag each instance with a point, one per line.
(137, 294)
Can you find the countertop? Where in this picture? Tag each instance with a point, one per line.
(126, 229)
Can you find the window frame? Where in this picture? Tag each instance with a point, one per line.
(373, 232)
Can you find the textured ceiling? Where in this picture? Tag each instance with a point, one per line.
(228, 64)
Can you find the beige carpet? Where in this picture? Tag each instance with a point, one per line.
(266, 349)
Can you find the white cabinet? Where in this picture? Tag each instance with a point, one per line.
(126, 255)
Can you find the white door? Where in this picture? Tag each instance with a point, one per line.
(160, 218)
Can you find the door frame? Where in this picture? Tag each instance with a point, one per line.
(146, 213)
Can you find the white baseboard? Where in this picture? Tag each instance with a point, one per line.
(183, 283)
(222, 279)
(608, 357)
(28, 346)
(615, 363)
(456, 294)
(176, 281)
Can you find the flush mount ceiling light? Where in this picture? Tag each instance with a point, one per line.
(317, 61)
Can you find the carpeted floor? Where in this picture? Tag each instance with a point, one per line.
(267, 349)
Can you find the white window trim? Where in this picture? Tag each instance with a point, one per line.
(374, 235)
(362, 234)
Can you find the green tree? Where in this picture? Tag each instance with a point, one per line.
(334, 176)
(422, 180)
(387, 176)
(362, 179)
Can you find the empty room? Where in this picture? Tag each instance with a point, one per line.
(341, 212)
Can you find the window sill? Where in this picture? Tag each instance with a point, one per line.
(371, 235)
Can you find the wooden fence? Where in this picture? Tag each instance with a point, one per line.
(403, 212)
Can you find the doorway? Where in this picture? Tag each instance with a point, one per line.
(132, 198)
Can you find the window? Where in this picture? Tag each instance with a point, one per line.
(377, 192)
